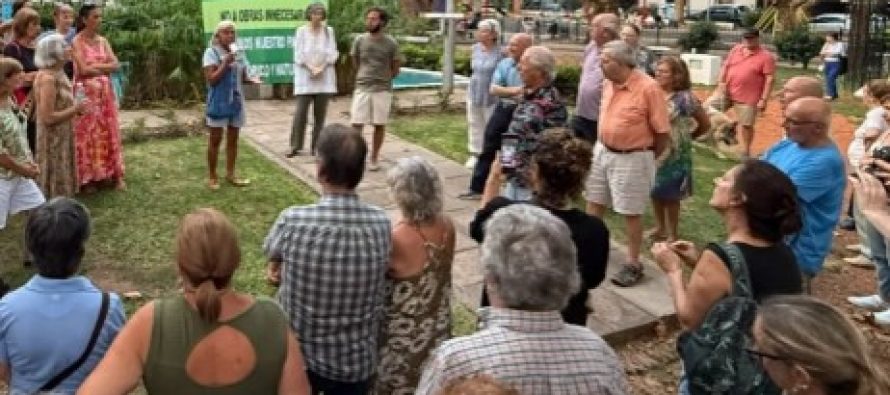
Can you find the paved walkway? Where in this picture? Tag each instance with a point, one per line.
(618, 313)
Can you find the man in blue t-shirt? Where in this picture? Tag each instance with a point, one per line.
(813, 162)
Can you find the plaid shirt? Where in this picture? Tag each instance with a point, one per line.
(334, 257)
(534, 352)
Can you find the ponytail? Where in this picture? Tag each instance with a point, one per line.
(207, 300)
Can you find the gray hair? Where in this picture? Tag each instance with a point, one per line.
(222, 25)
(416, 188)
(493, 25)
(50, 51)
(609, 22)
(621, 52)
(530, 258)
(542, 59)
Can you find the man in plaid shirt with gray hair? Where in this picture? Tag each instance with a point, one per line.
(331, 260)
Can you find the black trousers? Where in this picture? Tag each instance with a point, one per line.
(491, 143)
(332, 387)
(585, 129)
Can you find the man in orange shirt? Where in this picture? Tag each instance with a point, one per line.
(634, 129)
(747, 80)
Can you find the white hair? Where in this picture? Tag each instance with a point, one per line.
(416, 188)
(541, 58)
(530, 258)
(621, 52)
(493, 25)
(222, 25)
(50, 51)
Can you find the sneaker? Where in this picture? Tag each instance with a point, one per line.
(629, 276)
(471, 163)
(470, 195)
(861, 261)
(882, 318)
(847, 224)
(871, 302)
(854, 247)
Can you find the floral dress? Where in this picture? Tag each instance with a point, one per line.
(97, 133)
(55, 146)
(673, 182)
(418, 319)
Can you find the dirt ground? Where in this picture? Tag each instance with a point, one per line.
(652, 364)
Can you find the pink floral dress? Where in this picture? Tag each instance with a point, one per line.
(97, 136)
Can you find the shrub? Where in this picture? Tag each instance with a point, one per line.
(798, 45)
(567, 79)
(701, 36)
(422, 56)
(750, 18)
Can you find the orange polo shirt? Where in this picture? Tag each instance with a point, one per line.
(745, 73)
(632, 113)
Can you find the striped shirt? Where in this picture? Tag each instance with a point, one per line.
(534, 352)
(334, 257)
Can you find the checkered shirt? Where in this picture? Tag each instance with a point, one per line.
(334, 257)
(534, 352)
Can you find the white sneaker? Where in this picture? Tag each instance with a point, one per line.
(871, 302)
(860, 261)
(882, 318)
(471, 163)
(854, 247)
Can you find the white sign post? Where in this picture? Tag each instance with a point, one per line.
(448, 58)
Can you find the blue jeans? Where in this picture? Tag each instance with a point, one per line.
(877, 243)
(832, 70)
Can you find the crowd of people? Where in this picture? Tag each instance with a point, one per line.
(364, 301)
(60, 130)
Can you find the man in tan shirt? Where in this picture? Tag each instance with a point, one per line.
(634, 129)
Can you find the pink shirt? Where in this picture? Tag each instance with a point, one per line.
(633, 113)
(745, 72)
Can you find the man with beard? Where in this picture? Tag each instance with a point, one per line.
(377, 59)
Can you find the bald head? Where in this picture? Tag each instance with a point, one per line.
(800, 87)
(808, 120)
(519, 42)
(604, 28)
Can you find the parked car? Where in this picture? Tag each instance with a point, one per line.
(721, 13)
(841, 23)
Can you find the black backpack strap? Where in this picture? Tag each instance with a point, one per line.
(97, 328)
(738, 268)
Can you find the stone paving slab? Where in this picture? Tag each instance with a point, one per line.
(618, 313)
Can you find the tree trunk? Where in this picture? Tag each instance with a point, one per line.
(415, 7)
(680, 12)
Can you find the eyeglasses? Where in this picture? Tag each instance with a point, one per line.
(760, 355)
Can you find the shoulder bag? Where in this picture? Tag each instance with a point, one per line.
(97, 328)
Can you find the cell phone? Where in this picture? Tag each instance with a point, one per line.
(509, 160)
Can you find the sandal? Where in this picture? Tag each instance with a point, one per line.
(628, 276)
(213, 184)
(238, 182)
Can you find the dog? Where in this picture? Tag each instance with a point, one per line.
(723, 129)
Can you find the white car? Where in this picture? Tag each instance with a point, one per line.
(828, 23)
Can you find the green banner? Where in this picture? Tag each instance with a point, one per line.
(265, 30)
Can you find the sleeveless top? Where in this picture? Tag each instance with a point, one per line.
(178, 328)
(418, 319)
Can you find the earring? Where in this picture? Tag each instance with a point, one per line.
(800, 387)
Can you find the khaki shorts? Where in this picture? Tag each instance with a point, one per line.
(370, 107)
(622, 181)
(745, 113)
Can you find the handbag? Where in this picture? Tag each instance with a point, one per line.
(714, 354)
(97, 328)
(224, 97)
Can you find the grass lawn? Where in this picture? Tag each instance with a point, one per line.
(131, 248)
(446, 134)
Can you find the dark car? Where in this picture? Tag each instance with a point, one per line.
(721, 13)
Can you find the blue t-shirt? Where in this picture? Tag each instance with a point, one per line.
(45, 326)
(818, 175)
(506, 74)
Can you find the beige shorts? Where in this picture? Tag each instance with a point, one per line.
(370, 107)
(622, 181)
(746, 114)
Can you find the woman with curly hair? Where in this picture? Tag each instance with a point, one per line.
(559, 165)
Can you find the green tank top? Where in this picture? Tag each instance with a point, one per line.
(177, 328)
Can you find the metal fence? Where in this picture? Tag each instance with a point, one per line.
(869, 44)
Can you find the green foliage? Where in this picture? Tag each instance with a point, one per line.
(701, 36)
(750, 19)
(422, 56)
(798, 45)
(567, 79)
